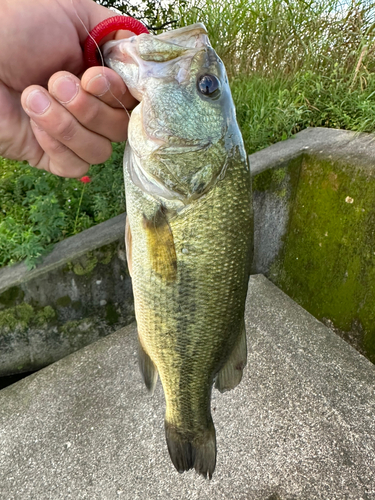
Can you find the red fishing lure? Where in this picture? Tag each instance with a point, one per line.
(105, 28)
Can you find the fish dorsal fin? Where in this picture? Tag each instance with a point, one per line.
(128, 245)
(160, 245)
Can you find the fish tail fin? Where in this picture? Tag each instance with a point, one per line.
(147, 368)
(188, 452)
(231, 373)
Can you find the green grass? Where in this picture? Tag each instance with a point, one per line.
(273, 109)
(38, 209)
(281, 37)
(292, 64)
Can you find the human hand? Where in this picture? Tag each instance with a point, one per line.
(71, 125)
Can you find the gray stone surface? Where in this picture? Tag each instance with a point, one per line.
(300, 425)
(271, 217)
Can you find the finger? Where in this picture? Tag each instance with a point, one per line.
(56, 157)
(89, 111)
(108, 86)
(60, 124)
(17, 140)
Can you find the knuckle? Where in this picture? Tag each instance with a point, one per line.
(38, 161)
(57, 148)
(92, 116)
(66, 129)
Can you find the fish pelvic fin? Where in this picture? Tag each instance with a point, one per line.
(147, 368)
(231, 373)
(188, 452)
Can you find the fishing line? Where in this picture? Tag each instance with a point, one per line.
(101, 58)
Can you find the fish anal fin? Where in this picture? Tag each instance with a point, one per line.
(128, 244)
(160, 245)
(188, 452)
(147, 368)
(231, 373)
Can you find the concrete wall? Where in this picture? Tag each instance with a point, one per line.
(314, 204)
(81, 291)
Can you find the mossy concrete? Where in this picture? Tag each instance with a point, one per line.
(315, 227)
(274, 194)
(79, 293)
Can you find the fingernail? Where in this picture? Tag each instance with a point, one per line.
(98, 85)
(38, 102)
(65, 89)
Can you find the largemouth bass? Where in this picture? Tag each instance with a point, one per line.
(189, 229)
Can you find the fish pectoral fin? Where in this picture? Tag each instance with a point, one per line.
(231, 373)
(147, 368)
(160, 245)
(128, 245)
(187, 451)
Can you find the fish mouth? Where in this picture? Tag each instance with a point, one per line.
(134, 58)
(187, 37)
(156, 48)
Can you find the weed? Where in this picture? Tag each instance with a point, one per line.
(38, 209)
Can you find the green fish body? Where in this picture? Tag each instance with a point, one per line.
(189, 230)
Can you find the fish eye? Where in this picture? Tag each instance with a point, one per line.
(209, 85)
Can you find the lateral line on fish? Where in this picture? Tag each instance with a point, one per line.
(101, 57)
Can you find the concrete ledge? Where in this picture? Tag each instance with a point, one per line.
(344, 145)
(274, 199)
(299, 427)
(65, 251)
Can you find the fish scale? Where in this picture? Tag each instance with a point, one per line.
(189, 235)
(179, 325)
